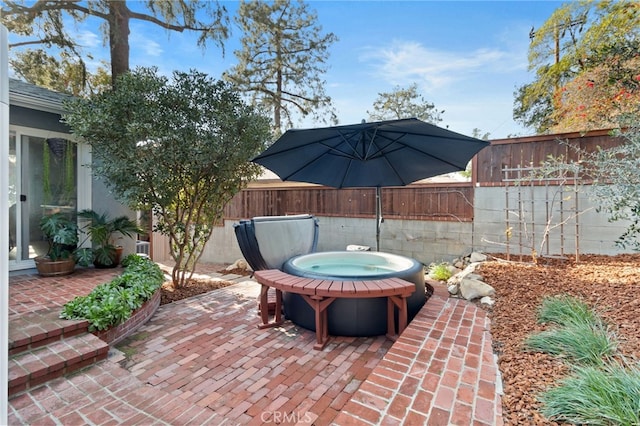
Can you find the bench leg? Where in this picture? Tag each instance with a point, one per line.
(264, 311)
(401, 303)
(320, 305)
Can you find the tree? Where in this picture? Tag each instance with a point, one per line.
(282, 60)
(608, 89)
(404, 103)
(45, 20)
(568, 48)
(478, 134)
(616, 185)
(179, 148)
(65, 76)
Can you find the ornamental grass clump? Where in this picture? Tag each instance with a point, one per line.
(601, 389)
(580, 335)
(566, 310)
(604, 395)
(583, 343)
(112, 303)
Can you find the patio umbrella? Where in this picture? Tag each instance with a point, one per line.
(376, 154)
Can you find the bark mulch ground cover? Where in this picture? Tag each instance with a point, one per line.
(197, 286)
(608, 284)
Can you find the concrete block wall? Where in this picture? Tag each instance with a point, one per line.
(596, 234)
(437, 241)
(425, 241)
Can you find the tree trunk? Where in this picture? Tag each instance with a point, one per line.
(277, 105)
(118, 38)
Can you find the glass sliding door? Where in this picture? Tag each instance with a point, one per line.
(13, 197)
(43, 176)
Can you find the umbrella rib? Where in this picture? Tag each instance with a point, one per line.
(397, 141)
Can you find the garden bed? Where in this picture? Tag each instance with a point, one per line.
(608, 284)
(115, 334)
(197, 286)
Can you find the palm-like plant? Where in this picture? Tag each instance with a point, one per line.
(102, 230)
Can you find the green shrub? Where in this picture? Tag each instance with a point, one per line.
(112, 303)
(584, 343)
(600, 391)
(608, 395)
(566, 310)
(582, 336)
(440, 271)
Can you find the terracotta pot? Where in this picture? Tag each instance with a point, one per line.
(49, 268)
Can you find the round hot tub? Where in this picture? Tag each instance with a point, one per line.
(359, 316)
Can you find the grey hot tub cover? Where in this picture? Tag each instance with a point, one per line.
(267, 242)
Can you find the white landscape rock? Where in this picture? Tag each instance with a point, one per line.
(477, 257)
(453, 270)
(466, 283)
(238, 264)
(472, 289)
(487, 301)
(475, 277)
(465, 273)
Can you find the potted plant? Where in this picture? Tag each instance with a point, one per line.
(61, 232)
(102, 231)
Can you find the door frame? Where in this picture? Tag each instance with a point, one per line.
(83, 183)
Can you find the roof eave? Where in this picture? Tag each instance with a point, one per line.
(32, 102)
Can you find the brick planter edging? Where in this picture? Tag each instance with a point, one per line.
(140, 316)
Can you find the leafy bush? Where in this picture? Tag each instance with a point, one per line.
(597, 396)
(440, 271)
(112, 303)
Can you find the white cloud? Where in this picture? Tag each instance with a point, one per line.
(142, 44)
(408, 61)
(88, 39)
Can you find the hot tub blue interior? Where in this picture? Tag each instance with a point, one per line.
(353, 317)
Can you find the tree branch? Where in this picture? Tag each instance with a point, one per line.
(164, 24)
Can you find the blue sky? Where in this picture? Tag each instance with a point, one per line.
(466, 57)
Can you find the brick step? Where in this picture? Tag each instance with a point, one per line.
(35, 329)
(36, 366)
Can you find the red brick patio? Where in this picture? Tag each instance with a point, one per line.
(203, 361)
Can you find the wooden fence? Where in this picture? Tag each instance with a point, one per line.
(414, 202)
(441, 201)
(531, 151)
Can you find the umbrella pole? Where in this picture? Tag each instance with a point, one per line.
(379, 219)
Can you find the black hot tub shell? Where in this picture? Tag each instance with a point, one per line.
(360, 316)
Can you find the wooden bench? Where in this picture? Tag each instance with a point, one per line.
(319, 294)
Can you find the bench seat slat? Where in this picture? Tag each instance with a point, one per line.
(348, 287)
(374, 288)
(364, 287)
(311, 286)
(406, 286)
(324, 288)
(300, 286)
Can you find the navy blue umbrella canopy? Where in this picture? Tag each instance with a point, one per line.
(377, 154)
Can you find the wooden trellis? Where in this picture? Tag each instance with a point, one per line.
(530, 191)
